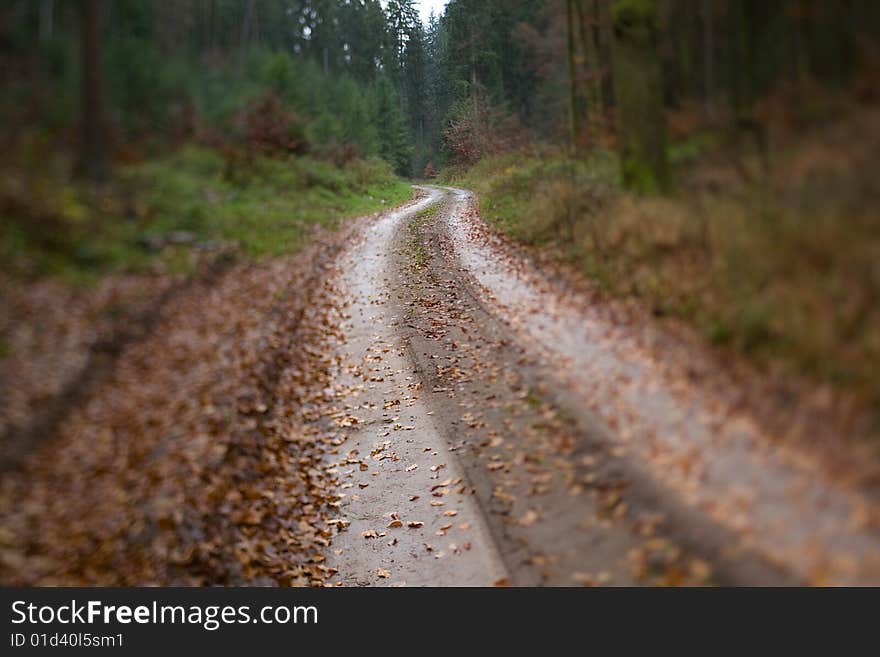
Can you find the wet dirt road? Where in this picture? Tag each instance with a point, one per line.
(492, 429)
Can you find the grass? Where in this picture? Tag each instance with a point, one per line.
(415, 249)
(779, 265)
(53, 226)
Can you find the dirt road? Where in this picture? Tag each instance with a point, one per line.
(494, 428)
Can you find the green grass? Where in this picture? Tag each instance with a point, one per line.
(414, 247)
(264, 207)
(532, 199)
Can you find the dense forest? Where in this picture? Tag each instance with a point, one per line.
(369, 76)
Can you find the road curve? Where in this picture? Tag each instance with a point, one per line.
(500, 430)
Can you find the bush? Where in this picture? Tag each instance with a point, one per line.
(271, 129)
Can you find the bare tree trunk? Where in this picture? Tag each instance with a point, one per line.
(47, 19)
(215, 28)
(708, 58)
(255, 30)
(573, 113)
(603, 39)
(93, 148)
(246, 25)
(473, 57)
(745, 30)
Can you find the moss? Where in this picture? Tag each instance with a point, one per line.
(634, 14)
(638, 88)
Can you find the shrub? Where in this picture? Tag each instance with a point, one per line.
(271, 129)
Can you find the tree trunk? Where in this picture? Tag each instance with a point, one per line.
(215, 28)
(47, 19)
(745, 70)
(573, 109)
(637, 83)
(246, 25)
(708, 59)
(603, 42)
(93, 148)
(590, 45)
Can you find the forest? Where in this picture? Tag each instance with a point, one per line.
(413, 93)
(640, 195)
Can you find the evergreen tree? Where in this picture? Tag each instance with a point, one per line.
(393, 137)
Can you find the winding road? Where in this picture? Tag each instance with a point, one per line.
(500, 429)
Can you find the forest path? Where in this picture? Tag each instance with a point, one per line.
(395, 457)
(529, 439)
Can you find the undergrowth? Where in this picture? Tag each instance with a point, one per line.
(159, 212)
(781, 265)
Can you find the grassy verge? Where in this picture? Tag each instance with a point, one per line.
(781, 265)
(156, 213)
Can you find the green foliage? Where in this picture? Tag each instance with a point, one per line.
(528, 197)
(167, 80)
(638, 174)
(268, 209)
(394, 145)
(145, 90)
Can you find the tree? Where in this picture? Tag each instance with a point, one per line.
(393, 136)
(93, 147)
(638, 85)
(402, 19)
(574, 105)
(47, 11)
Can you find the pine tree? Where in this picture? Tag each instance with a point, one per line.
(393, 136)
